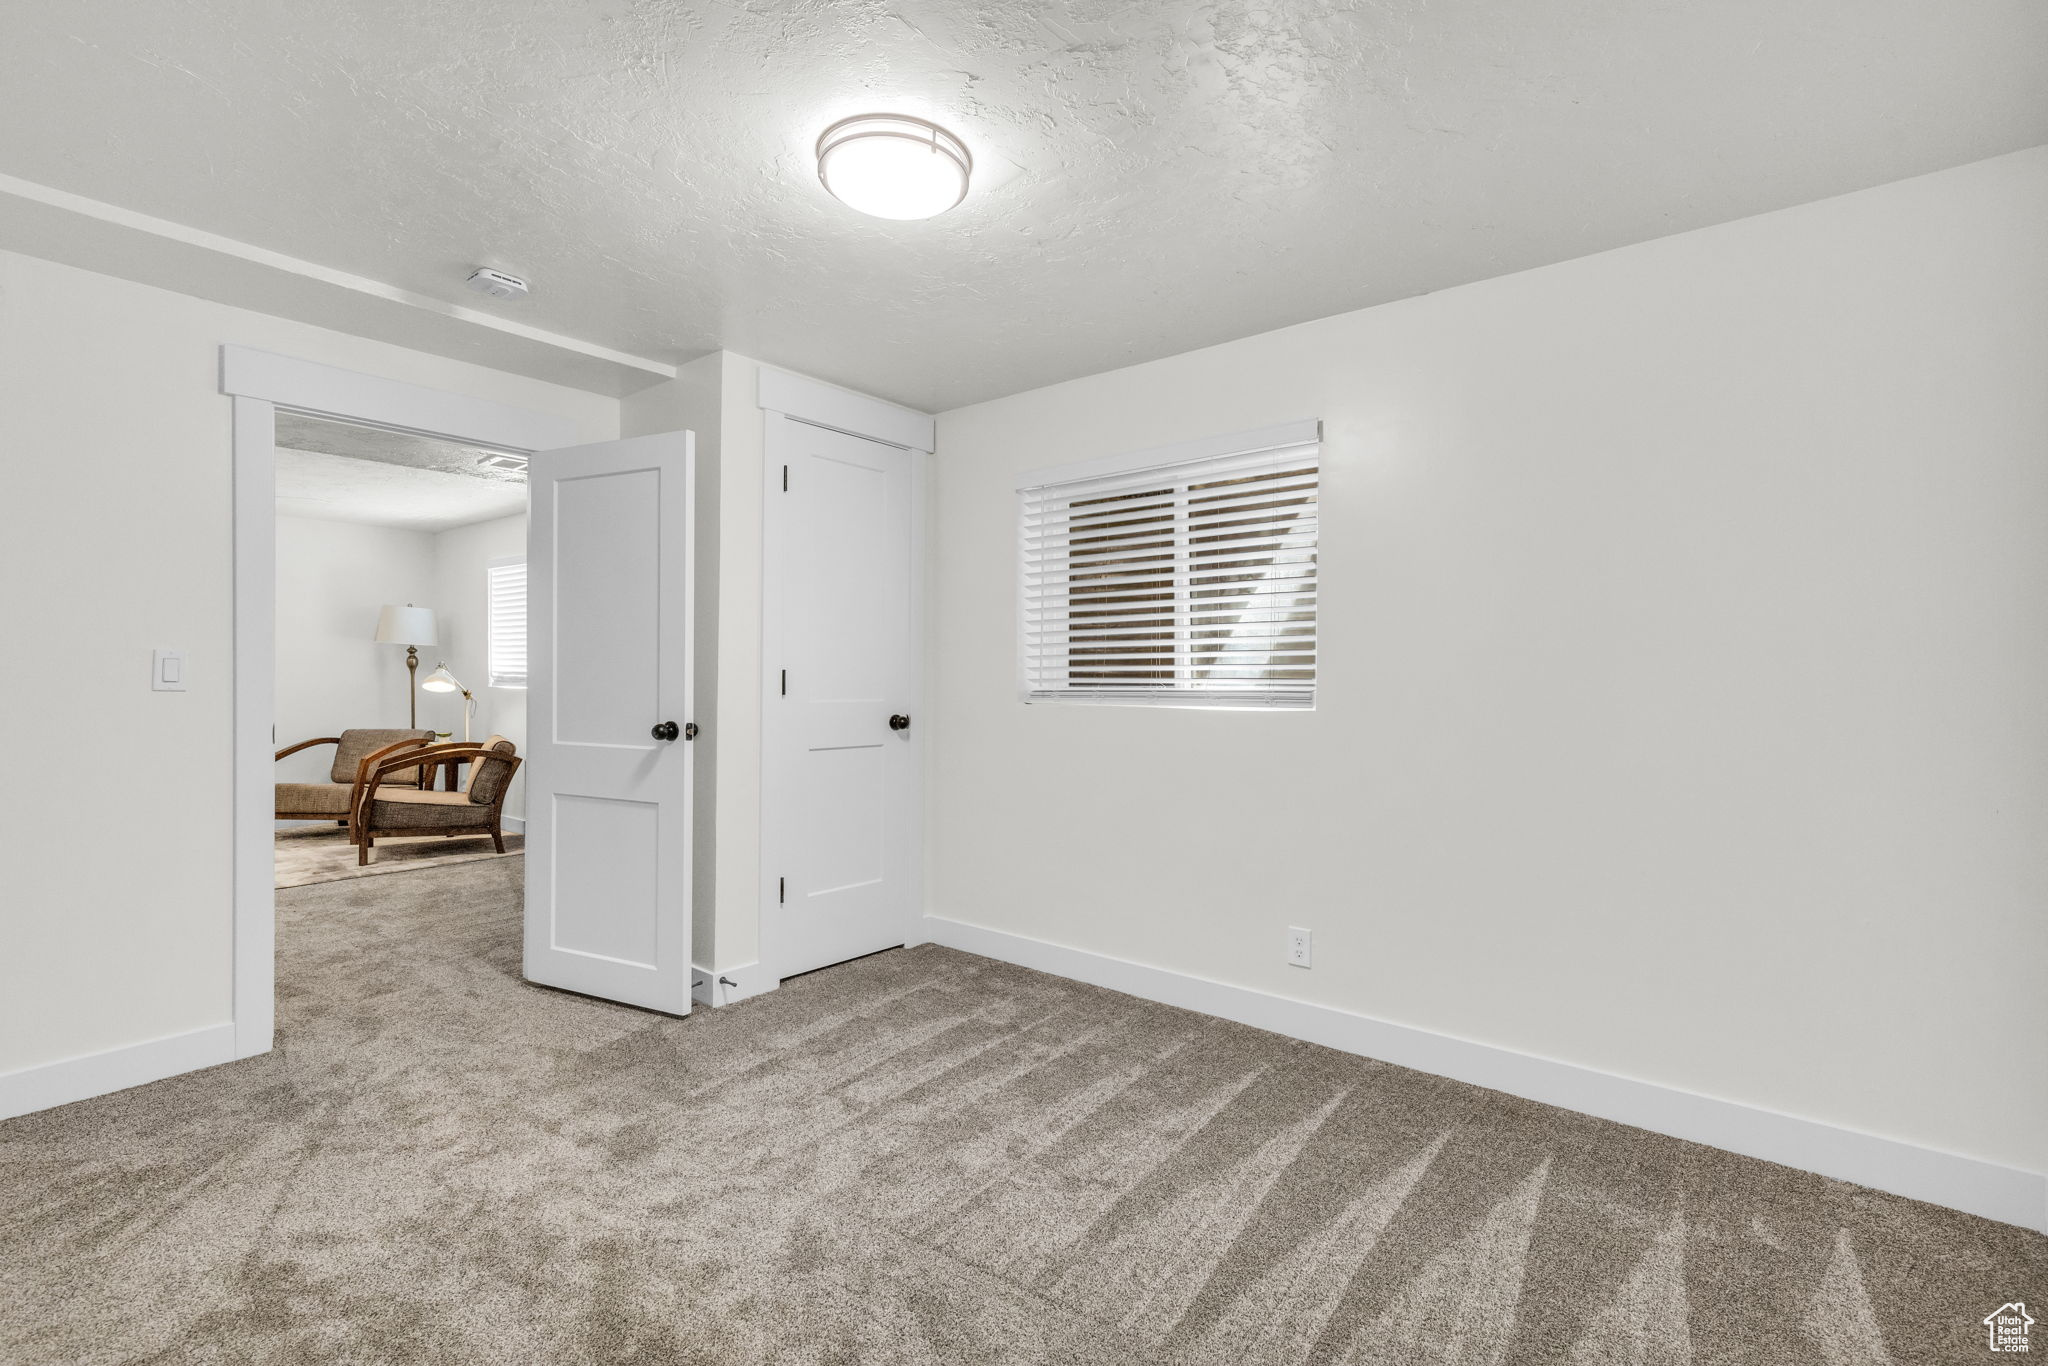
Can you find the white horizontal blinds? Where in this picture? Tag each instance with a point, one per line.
(1186, 582)
(505, 623)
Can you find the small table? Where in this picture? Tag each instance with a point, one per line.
(451, 774)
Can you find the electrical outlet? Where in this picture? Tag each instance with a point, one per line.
(1297, 946)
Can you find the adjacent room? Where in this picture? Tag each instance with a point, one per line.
(1204, 683)
(371, 525)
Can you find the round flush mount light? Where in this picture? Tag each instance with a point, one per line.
(893, 165)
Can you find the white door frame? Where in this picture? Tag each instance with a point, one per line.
(260, 383)
(782, 394)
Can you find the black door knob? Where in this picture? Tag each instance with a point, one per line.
(899, 722)
(667, 730)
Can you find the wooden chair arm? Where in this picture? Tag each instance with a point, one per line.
(307, 744)
(458, 749)
(363, 768)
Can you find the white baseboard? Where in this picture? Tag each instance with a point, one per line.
(117, 1069)
(743, 981)
(2006, 1194)
(513, 825)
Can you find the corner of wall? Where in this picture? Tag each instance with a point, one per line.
(737, 898)
(694, 401)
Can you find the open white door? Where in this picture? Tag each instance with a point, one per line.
(609, 639)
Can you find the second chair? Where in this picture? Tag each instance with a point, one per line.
(400, 809)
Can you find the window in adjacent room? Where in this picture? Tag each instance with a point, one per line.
(505, 622)
(1184, 577)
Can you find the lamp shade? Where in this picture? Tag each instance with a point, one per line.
(407, 625)
(440, 680)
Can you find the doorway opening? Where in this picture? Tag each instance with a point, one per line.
(265, 388)
(400, 630)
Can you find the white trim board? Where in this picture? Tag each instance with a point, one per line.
(1301, 433)
(253, 843)
(309, 386)
(115, 1069)
(90, 234)
(1975, 1187)
(843, 410)
(747, 978)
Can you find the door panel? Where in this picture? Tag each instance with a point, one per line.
(845, 798)
(839, 635)
(606, 874)
(609, 624)
(608, 675)
(840, 799)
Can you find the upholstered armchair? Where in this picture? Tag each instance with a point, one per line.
(386, 802)
(333, 799)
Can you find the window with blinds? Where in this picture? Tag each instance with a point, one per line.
(505, 622)
(1183, 577)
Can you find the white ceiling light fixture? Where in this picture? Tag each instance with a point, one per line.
(893, 166)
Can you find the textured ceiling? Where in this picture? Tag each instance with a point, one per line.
(1150, 177)
(343, 473)
(299, 432)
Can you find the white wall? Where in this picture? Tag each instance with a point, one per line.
(332, 577)
(691, 402)
(739, 665)
(114, 539)
(714, 396)
(461, 555)
(1681, 705)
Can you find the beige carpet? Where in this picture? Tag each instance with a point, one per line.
(307, 854)
(921, 1157)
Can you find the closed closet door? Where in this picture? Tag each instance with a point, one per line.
(840, 805)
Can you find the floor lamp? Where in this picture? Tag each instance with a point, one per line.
(411, 627)
(440, 680)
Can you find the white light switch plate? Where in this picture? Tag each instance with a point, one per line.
(167, 671)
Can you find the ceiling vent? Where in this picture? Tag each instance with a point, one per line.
(497, 284)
